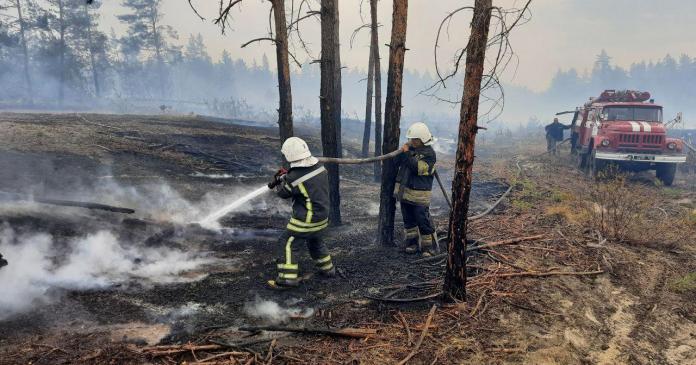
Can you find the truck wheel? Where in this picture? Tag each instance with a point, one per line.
(666, 172)
(581, 161)
(596, 167)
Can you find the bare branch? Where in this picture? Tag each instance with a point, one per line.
(258, 40)
(195, 11)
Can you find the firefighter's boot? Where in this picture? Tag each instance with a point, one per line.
(411, 240)
(427, 245)
(287, 277)
(326, 266)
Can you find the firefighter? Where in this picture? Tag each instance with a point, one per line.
(307, 184)
(554, 135)
(414, 182)
(3, 262)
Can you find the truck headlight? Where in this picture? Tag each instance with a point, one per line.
(671, 145)
(605, 142)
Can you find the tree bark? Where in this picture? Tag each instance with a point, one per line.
(374, 46)
(392, 113)
(25, 51)
(330, 100)
(455, 276)
(61, 84)
(158, 50)
(368, 102)
(285, 126)
(92, 60)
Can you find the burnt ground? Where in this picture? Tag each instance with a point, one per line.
(639, 309)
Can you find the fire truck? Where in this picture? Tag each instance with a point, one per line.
(625, 129)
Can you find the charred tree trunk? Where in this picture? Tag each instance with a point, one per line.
(158, 51)
(92, 59)
(368, 102)
(330, 100)
(284, 87)
(374, 46)
(61, 83)
(25, 51)
(455, 276)
(392, 114)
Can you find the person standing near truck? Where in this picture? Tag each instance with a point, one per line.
(554, 135)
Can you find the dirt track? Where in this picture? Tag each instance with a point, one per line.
(630, 314)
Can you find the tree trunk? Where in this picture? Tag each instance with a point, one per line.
(392, 114)
(455, 276)
(374, 46)
(368, 102)
(61, 84)
(92, 60)
(158, 52)
(25, 51)
(284, 87)
(330, 100)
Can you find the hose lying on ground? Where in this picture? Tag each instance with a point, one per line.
(355, 161)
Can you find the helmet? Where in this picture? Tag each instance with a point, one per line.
(420, 130)
(295, 149)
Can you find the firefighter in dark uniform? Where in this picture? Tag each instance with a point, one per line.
(307, 184)
(414, 182)
(554, 135)
(3, 262)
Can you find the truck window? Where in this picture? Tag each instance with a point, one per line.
(633, 113)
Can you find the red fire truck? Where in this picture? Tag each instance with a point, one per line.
(624, 128)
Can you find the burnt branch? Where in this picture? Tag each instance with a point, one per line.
(258, 40)
(498, 61)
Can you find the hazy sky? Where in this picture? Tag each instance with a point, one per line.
(561, 33)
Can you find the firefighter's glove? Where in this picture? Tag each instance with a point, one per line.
(278, 178)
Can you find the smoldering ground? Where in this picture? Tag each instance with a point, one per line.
(52, 249)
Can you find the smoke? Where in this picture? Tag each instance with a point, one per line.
(272, 312)
(98, 260)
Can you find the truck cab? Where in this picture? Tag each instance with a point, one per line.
(625, 129)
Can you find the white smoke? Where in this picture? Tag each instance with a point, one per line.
(273, 312)
(94, 261)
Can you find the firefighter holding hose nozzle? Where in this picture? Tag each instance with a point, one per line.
(414, 183)
(307, 184)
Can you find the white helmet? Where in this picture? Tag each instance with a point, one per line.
(420, 130)
(295, 149)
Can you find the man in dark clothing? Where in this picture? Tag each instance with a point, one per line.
(414, 182)
(3, 262)
(307, 184)
(554, 135)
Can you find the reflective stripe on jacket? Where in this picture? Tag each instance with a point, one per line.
(309, 189)
(414, 181)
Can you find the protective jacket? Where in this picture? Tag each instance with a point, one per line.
(414, 180)
(555, 130)
(309, 189)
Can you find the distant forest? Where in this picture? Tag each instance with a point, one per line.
(53, 55)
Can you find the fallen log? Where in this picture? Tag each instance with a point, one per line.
(505, 242)
(341, 332)
(68, 203)
(548, 273)
(177, 349)
(404, 300)
(87, 205)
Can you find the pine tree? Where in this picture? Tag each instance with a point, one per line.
(148, 37)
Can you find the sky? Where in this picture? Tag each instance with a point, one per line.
(561, 34)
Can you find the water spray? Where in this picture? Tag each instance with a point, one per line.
(211, 221)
